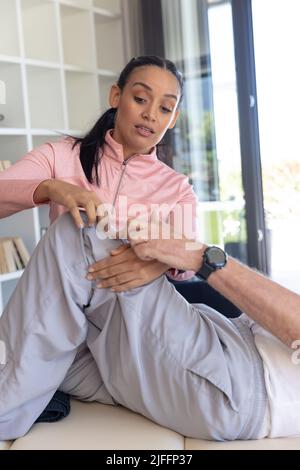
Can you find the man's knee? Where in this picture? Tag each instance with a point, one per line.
(63, 231)
(63, 240)
(64, 225)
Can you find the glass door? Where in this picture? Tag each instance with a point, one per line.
(198, 37)
(276, 40)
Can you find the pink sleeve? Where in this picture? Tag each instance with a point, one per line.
(188, 206)
(18, 182)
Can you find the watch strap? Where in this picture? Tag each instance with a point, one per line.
(204, 271)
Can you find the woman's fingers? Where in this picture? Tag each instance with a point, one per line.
(116, 281)
(91, 212)
(106, 268)
(74, 211)
(126, 256)
(119, 250)
(109, 272)
(128, 285)
(89, 203)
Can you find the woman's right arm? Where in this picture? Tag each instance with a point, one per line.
(18, 182)
(31, 182)
(70, 196)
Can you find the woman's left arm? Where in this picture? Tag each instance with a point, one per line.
(124, 270)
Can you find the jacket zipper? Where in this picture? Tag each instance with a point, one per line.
(121, 177)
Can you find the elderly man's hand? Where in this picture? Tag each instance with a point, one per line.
(156, 239)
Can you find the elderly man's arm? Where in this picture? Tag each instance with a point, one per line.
(272, 306)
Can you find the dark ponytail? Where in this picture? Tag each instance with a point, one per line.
(91, 145)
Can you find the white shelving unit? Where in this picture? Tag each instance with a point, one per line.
(11, 75)
(42, 15)
(82, 109)
(9, 38)
(58, 59)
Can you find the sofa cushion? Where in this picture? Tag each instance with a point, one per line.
(4, 445)
(95, 426)
(262, 444)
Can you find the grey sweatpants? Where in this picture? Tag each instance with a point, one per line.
(184, 366)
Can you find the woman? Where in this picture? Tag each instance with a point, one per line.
(116, 163)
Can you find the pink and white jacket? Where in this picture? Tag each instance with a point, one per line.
(141, 179)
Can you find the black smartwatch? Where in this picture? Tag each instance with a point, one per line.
(214, 258)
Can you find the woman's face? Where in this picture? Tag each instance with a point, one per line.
(147, 108)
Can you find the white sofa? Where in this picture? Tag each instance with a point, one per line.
(93, 426)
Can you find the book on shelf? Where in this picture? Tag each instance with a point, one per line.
(14, 255)
(4, 164)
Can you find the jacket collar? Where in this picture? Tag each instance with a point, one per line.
(114, 150)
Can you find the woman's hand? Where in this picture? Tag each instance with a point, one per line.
(70, 196)
(123, 270)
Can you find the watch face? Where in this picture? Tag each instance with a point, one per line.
(216, 257)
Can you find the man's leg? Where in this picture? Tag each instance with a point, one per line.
(43, 325)
(185, 367)
(83, 380)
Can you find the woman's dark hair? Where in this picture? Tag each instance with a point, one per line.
(92, 142)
